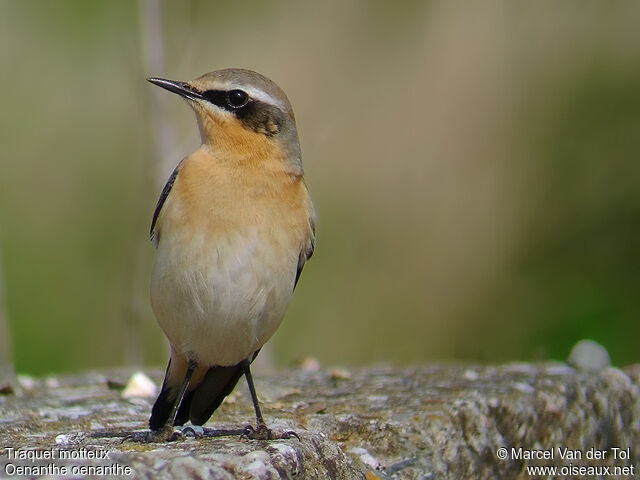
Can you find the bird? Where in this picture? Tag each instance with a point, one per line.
(233, 228)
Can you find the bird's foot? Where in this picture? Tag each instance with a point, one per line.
(193, 430)
(264, 433)
(286, 434)
(259, 433)
(165, 434)
(197, 431)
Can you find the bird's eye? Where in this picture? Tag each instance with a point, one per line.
(237, 98)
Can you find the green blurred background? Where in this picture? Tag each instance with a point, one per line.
(474, 165)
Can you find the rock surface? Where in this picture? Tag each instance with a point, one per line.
(426, 422)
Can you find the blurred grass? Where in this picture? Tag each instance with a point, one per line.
(474, 168)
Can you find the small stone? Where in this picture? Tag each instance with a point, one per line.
(589, 356)
(26, 382)
(339, 374)
(310, 364)
(52, 382)
(70, 439)
(139, 386)
(471, 375)
(366, 458)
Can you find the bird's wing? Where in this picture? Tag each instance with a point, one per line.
(307, 250)
(162, 406)
(163, 196)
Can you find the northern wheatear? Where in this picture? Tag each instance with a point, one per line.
(233, 228)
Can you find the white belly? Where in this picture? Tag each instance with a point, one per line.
(220, 301)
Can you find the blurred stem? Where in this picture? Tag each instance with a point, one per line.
(153, 54)
(7, 372)
(159, 149)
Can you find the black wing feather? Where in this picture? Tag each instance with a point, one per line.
(162, 406)
(161, 200)
(205, 399)
(307, 253)
(218, 382)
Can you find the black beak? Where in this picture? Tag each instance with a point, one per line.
(181, 88)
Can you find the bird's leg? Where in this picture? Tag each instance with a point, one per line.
(261, 432)
(167, 433)
(191, 366)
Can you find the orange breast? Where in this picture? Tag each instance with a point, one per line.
(213, 195)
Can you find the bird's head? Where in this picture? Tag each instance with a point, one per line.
(241, 113)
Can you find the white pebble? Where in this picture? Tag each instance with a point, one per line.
(589, 356)
(139, 386)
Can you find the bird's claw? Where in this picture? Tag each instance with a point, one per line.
(176, 435)
(289, 434)
(145, 436)
(260, 433)
(196, 431)
(264, 433)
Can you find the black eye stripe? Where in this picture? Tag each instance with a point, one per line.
(217, 97)
(256, 115)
